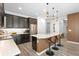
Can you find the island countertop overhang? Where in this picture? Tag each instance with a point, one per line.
(43, 36)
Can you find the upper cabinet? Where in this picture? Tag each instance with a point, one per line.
(1, 14)
(1, 8)
(23, 22)
(9, 21)
(33, 25)
(13, 21)
(16, 22)
(33, 21)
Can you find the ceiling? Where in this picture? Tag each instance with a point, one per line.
(38, 9)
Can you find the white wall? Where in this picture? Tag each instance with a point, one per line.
(61, 26)
(41, 25)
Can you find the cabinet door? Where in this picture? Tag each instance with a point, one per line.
(25, 38)
(25, 23)
(0, 5)
(34, 43)
(0, 20)
(21, 22)
(1, 8)
(1, 14)
(33, 26)
(15, 22)
(9, 21)
(26, 20)
(33, 21)
(17, 39)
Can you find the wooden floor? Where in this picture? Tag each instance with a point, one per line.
(69, 49)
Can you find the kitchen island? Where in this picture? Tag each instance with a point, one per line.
(8, 48)
(40, 41)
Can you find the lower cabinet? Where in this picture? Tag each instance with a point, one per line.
(25, 38)
(21, 38)
(34, 43)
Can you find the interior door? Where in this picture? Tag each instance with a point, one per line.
(73, 29)
(71, 34)
(76, 25)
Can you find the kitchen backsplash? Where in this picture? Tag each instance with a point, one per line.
(14, 30)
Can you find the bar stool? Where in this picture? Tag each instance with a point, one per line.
(59, 41)
(49, 52)
(55, 46)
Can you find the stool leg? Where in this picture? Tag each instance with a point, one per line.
(49, 52)
(55, 46)
(59, 44)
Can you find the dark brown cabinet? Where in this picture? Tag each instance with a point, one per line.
(1, 14)
(23, 22)
(34, 43)
(21, 38)
(33, 25)
(13, 21)
(1, 8)
(9, 21)
(1, 21)
(25, 38)
(17, 39)
(73, 28)
(33, 21)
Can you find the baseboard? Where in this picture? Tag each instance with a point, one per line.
(73, 42)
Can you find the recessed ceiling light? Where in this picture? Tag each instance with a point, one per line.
(19, 8)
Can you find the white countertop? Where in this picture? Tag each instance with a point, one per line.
(8, 48)
(42, 36)
(5, 36)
